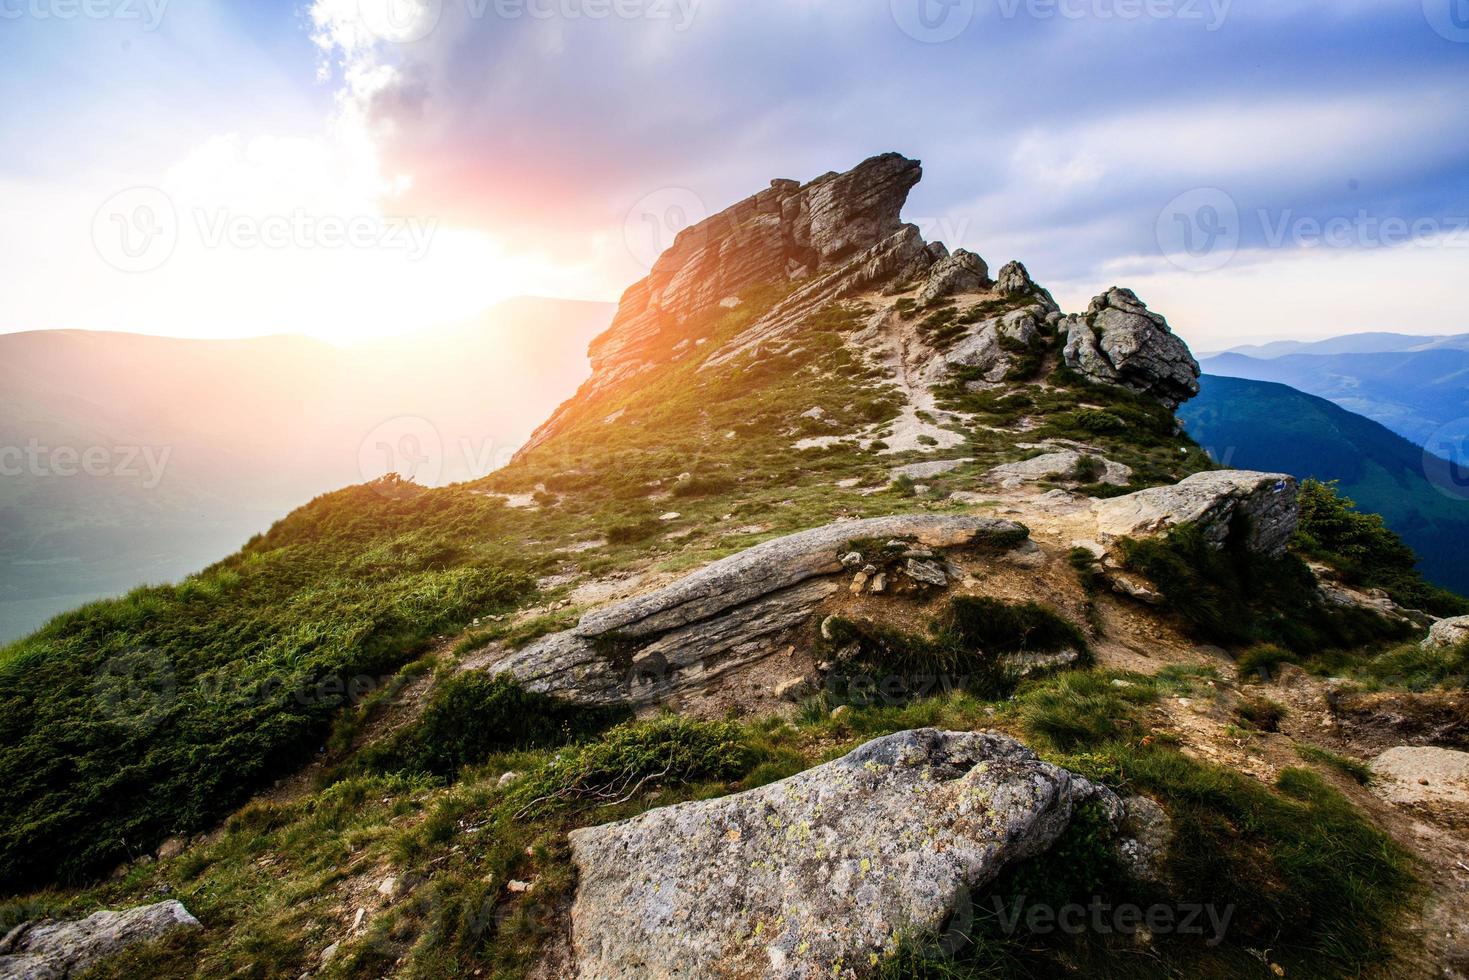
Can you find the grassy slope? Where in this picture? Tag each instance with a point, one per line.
(116, 734)
(1265, 426)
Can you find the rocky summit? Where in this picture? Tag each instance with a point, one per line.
(864, 615)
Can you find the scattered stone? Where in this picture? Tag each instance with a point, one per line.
(519, 887)
(829, 866)
(1059, 465)
(879, 583)
(826, 633)
(852, 559)
(1135, 587)
(54, 950)
(388, 887)
(672, 515)
(815, 412)
(925, 572)
(923, 471)
(357, 919)
(507, 778)
(859, 581)
(794, 689)
(171, 848)
(329, 952)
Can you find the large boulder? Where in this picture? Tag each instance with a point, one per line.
(1119, 341)
(961, 272)
(820, 874)
(50, 950)
(1447, 633)
(1262, 507)
(733, 612)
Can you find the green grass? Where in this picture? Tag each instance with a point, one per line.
(1351, 768)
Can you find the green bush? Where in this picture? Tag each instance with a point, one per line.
(635, 758)
(473, 715)
(1366, 552)
(1260, 713)
(633, 531)
(1234, 597)
(1262, 660)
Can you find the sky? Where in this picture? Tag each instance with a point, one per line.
(1255, 169)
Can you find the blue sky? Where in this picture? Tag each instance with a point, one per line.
(1314, 155)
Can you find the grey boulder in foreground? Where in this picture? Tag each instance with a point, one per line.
(821, 874)
(56, 950)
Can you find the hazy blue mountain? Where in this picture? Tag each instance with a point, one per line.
(195, 445)
(1264, 426)
(1421, 393)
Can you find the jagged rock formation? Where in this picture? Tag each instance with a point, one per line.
(1221, 503)
(683, 637)
(961, 272)
(49, 950)
(787, 232)
(819, 874)
(1119, 341)
(839, 237)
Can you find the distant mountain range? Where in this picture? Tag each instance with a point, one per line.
(107, 483)
(1266, 426)
(1417, 386)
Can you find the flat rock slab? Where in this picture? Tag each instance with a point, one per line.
(1423, 774)
(820, 874)
(922, 471)
(55, 950)
(1262, 506)
(1060, 464)
(650, 648)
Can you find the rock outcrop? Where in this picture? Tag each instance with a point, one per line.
(1447, 633)
(683, 637)
(49, 950)
(1262, 507)
(820, 874)
(962, 272)
(1119, 341)
(787, 232)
